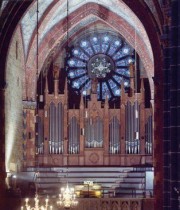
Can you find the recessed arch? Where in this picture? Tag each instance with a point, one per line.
(155, 46)
(114, 21)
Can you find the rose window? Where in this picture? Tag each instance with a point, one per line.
(105, 56)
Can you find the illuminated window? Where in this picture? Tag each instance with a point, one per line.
(105, 56)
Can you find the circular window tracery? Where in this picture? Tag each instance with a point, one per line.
(102, 56)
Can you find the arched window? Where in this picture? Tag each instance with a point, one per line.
(105, 56)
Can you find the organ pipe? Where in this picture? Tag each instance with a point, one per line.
(114, 137)
(74, 136)
(132, 128)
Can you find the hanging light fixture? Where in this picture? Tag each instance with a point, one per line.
(37, 205)
(67, 198)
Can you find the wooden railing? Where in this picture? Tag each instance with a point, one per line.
(111, 204)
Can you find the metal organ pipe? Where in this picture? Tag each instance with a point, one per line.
(51, 137)
(56, 130)
(148, 136)
(60, 126)
(114, 136)
(132, 128)
(74, 132)
(40, 136)
(151, 137)
(94, 133)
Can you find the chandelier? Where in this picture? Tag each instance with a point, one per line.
(37, 205)
(67, 198)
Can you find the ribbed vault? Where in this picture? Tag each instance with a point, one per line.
(55, 23)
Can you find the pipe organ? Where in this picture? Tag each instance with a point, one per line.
(94, 133)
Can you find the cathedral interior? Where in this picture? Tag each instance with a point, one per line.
(89, 104)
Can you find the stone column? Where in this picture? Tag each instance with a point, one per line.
(2, 150)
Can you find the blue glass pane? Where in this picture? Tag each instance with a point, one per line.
(114, 46)
(80, 72)
(76, 52)
(104, 87)
(116, 92)
(72, 62)
(97, 48)
(104, 47)
(83, 56)
(86, 89)
(78, 82)
(112, 83)
(118, 55)
(106, 39)
(80, 63)
(126, 50)
(124, 72)
(105, 91)
(126, 83)
(84, 44)
(89, 51)
(122, 63)
(112, 49)
(71, 74)
(94, 39)
(117, 78)
(76, 73)
(76, 63)
(117, 42)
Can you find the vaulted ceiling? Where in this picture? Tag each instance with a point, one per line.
(57, 19)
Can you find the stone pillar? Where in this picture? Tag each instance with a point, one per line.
(171, 101)
(2, 150)
(174, 98)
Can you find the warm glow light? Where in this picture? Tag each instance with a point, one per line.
(36, 206)
(9, 144)
(67, 198)
(98, 193)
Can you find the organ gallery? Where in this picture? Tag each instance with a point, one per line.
(107, 123)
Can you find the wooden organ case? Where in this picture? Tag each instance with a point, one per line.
(93, 134)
